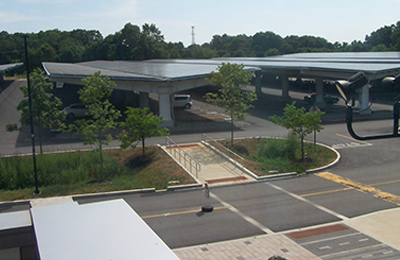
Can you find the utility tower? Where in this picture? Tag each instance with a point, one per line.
(193, 42)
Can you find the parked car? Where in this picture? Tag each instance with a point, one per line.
(183, 101)
(327, 98)
(76, 110)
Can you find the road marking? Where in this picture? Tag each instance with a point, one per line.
(244, 216)
(345, 189)
(323, 192)
(377, 193)
(331, 212)
(356, 143)
(349, 145)
(353, 251)
(351, 138)
(177, 213)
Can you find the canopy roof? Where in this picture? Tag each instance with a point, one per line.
(6, 67)
(328, 65)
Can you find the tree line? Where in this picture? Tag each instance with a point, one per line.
(147, 42)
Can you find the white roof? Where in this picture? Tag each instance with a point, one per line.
(104, 230)
(15, 219)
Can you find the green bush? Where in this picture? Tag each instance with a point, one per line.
(272, 149)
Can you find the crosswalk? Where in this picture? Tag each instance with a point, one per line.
(352, 144)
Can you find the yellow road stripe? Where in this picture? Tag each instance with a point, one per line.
(351, 138)
(344, 189)
(178, 213)
(323, 192)
(361, 187)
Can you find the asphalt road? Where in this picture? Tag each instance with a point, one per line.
(353, 187)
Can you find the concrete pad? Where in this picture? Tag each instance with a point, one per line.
(382, 226)
(50, 201)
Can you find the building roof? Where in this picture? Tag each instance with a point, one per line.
(6, 67)
(152, 71)
(329, 65)
(102, 230)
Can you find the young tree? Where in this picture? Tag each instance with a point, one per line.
(140, 124)
(300, 122)
(232, 79)
(45, 107)
(102, 114)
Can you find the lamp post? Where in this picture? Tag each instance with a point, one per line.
(30, 116)
(347, 88)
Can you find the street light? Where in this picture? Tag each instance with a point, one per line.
(347, 89)
(30, 116)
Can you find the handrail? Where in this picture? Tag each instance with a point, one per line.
(182, 154)
(208, 139)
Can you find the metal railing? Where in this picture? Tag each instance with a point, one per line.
(223, 149)
(183, 157)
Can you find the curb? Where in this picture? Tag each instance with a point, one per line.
(338, 157)
(112, 193)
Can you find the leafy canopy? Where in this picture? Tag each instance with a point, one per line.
(232, 79)
(139, 125)
(300, 122)
(102, 114)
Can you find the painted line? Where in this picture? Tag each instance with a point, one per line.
(331, 212)
(177, 213)
(244, 216)
(351, 138)
(323, 192)
(345, 189)
(385, 182)
(377, 193)
(353, 251)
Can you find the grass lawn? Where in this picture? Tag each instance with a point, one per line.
(266, 156)
(77, 173)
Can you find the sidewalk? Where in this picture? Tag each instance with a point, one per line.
(380, 226)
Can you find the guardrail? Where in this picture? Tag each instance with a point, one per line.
(183, 157)
(223, 149)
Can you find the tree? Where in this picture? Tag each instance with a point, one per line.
(232, 79)
(102, 114)
(140, 124)
(45, 107)
(300, 122)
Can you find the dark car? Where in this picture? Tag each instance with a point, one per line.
(327, 98)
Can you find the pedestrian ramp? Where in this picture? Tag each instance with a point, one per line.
(213, 167)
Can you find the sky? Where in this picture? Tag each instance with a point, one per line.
(336, 21)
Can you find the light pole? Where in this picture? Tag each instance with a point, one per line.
(30, 116)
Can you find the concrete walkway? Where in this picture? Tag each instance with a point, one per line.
(215, 169)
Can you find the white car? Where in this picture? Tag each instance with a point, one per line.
(76, 110)
(182, 100)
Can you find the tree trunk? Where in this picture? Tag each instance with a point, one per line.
(302, 148)
(101, 161)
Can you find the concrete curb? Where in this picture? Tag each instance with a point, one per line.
(338, 157)
(113, 193)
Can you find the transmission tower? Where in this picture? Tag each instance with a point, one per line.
(193, 42)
